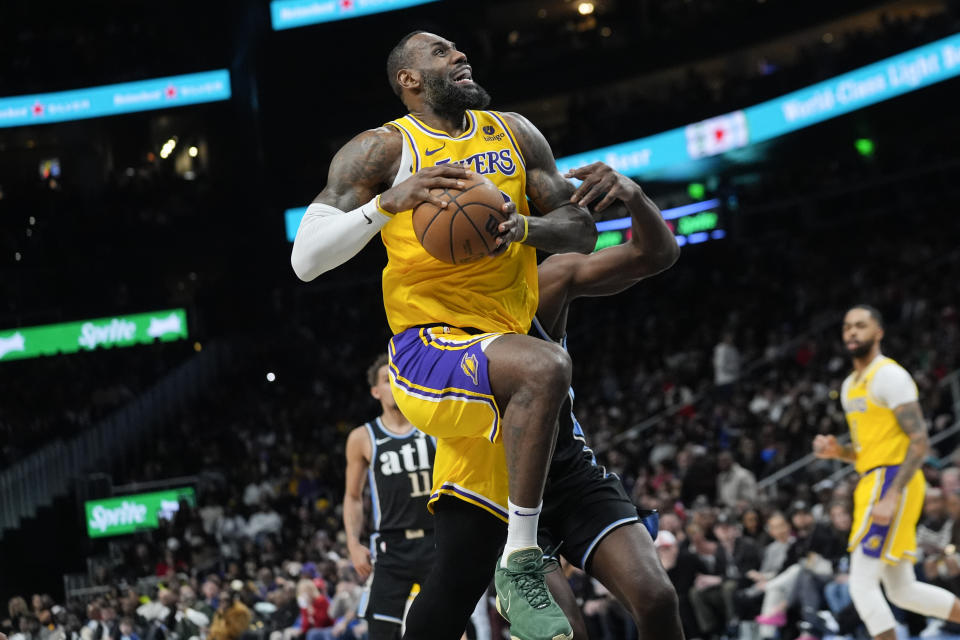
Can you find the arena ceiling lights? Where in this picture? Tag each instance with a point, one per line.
(288, 14)
(115, 99)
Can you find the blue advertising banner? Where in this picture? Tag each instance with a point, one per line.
(114, 99)
(848, 92)
(287, 14)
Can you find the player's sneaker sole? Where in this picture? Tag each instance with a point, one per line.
(562, 636)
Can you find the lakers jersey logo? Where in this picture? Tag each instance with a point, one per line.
(470, 367)
(873, 542)
(487, 162)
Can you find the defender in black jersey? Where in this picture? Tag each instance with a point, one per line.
(397, 461)
(585, 509)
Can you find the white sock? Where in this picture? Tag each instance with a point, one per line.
(522, 527)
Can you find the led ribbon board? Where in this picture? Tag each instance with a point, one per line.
(70, 337)
(114, 99)
(137, 512)
(854, 90)
(287, 14)
(686, 222)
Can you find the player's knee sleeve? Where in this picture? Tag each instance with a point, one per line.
(867, 596)
(906, 592)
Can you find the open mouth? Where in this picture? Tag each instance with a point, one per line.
(463, 76)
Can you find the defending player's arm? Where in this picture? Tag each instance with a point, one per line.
(910, 418)
(652, 247)
(356, 202)
(829, 448)
(564, 225)
(359, 451)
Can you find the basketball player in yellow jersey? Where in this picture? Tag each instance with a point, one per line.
(461, 364)
(888, 445)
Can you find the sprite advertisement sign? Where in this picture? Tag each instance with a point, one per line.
(70, 337)
(137, 512)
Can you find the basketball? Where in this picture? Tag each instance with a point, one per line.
(466, 229)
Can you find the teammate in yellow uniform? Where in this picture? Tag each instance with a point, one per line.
(461, 364)
(888, 445)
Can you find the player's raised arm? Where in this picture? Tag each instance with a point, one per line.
(564, 225)
(357, 203)
(359, 450)
(652, 247)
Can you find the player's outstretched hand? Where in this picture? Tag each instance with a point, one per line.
(599, 179)
(826, 447)
(416, 189)
(360, 557)
(510, 230)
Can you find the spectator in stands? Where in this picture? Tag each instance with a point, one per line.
(726, 364)
(818, 568)
(265, 521)
(713, 594)
(735, 485)
(749, 600)
(127, 632)
(314, 608)
(192, 617)
(753, 527)
(682, 567)
(16, 609)
(232, 618)
(935, 529)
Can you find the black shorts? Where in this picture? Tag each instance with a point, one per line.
(398, 565)
(581, 505)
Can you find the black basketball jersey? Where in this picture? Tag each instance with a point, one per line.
(401, 476)
(570, 439)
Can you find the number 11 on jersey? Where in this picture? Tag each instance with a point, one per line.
(420, 483)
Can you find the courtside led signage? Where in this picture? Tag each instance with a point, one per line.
(138, 512)
(114, 99)
(287, 14)
(857, 89)
(70, 337)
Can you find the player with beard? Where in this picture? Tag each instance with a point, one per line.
(587, 517)
(462, 368)
(888, 444)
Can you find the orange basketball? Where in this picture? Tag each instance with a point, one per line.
(466, 229)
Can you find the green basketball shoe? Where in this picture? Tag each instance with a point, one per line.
(524, 600)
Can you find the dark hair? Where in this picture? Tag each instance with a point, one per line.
(399, 58)
(873, 311)
(373, 372)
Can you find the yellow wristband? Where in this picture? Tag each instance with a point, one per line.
(526, 229)
(381, 209)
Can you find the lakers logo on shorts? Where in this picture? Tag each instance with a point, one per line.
(470, 366)
(873, 542)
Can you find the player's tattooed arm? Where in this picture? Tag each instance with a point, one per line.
(362, 168)
(910, 418)
(564, 225)
(911, 421)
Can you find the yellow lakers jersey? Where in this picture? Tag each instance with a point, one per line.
(494, 294)
(874, 431)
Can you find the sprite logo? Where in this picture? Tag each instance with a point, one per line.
(115, 331)
(132, 513)
(128, 513)
(69, 337)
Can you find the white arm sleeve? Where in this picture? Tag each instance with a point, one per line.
(892, 386)
(328, 237)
